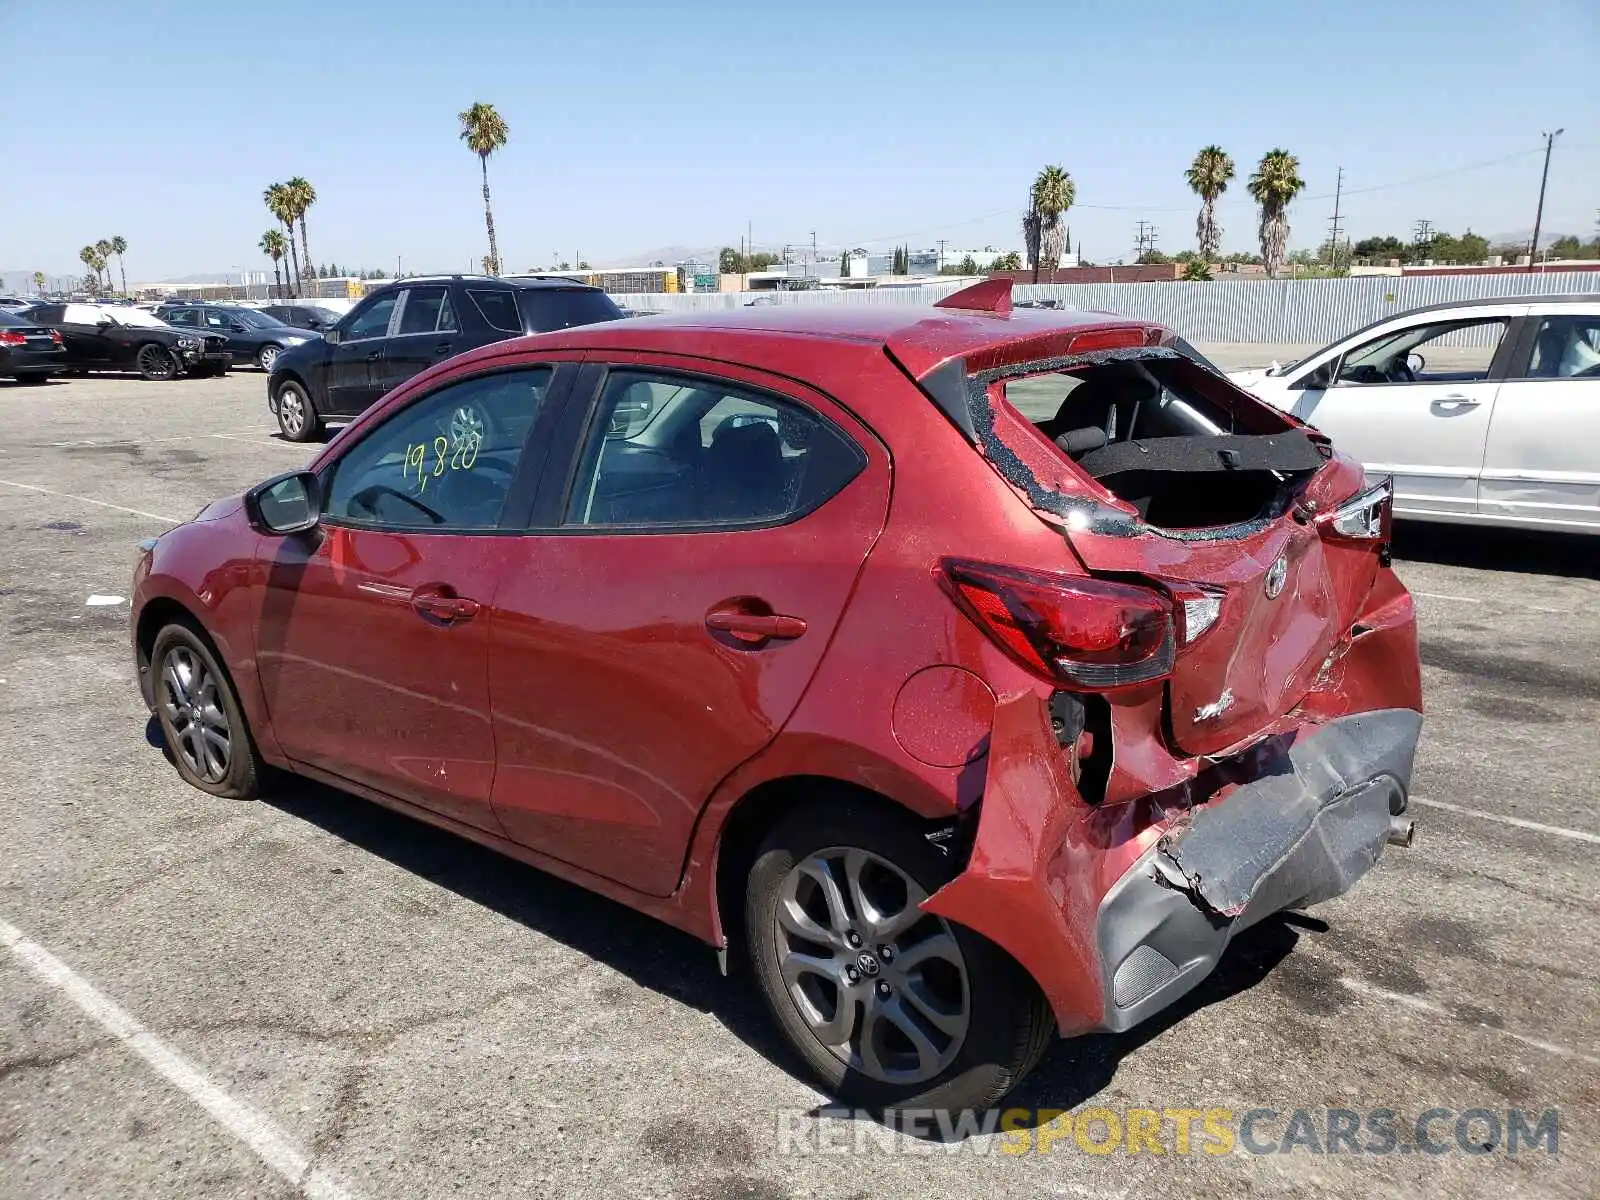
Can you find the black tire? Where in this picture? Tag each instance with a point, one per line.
(184, 720)
(155, 362)
(267, 355)
(297, 415)
(1009, 1024)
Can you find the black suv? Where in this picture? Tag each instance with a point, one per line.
(406, 327)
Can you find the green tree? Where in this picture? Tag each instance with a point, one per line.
(302, 195)
(1208, 178)
(38, 282)
(1380, 250)
(1274, 185)
(1009, 261)
(272, 245)
(1043, 230)
(484, 131)
(728, 261)
(1153, 256)
(91, 259)
(1197, 270)
(102, 250)
(280, 203)
(119, 247)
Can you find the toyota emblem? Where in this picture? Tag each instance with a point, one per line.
(868, 964)
(1277, 576)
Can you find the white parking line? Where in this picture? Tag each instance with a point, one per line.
(232, 437)
(1434, 1010)
(138, 512)
(251, 1126)
(1577, 835)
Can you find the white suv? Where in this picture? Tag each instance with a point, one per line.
(1483, 411)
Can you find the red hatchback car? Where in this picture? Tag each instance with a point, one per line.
(977, 673)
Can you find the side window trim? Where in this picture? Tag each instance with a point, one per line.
(394, 313)
(574, 451)
(531, 460)
(1499, 364)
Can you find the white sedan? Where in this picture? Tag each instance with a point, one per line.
(1484, 411)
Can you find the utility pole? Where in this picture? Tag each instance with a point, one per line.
(1146, 239)
(1538, 216)
(1333, 237)
(941, 255)
(1422, 235)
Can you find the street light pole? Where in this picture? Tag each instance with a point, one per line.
(1538, 216)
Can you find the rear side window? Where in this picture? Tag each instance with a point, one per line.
(421, 313)
(545, 309)
(676, 453)
(498, 308)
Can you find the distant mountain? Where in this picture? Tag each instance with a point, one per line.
(668, 255)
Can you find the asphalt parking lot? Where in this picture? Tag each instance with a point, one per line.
(205, 998)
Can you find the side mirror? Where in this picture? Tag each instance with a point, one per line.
(285, 504)
(103, 320)
(332, 336)
(1415, 363)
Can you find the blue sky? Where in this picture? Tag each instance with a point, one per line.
(640, 125)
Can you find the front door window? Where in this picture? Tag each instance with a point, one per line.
(1440, 352)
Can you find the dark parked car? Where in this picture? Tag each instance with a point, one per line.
(303, 316)
(402, 329)
(123, 338)
(1017, 753)
(253, 337)
(29, 353)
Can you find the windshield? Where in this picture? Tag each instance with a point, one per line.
(135, 317)
(254, 318)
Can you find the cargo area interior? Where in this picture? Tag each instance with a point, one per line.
(1159, 434)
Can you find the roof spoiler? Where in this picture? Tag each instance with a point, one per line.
(990, 296)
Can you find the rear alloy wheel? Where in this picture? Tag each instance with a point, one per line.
(297, 417)
(266, 356)
(890, 1006)
(200, 716)
(156, 363)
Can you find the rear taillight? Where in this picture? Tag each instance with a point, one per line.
(9, 337)
(1366, 517)
(55, 336)
(1079, 634)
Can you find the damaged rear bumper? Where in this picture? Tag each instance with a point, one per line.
(1118, 910)
(1288, 840)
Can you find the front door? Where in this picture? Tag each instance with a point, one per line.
(1416, 404)
(374, 630)
(89, 335)
(1542, 465)
(661, 626)
(353, 373)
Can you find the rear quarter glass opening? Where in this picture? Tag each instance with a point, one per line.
(1153, 434)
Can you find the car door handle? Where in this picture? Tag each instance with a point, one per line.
(1456, 402)
(442, 605)
(374, 355)
(444, 347)
(753, 627)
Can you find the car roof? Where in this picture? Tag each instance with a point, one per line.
(562, 282)
(920, 337)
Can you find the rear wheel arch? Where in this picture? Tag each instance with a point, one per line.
(761, 808)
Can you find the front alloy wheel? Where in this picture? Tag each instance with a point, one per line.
(156, 363)
(192, 706)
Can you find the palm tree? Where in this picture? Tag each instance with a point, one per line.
(119, 247)
(485, 131)
(1276, 182)
(304, 195)
(1043, 230)
(102, 250)
(280, 203)
(86, 257)
(1208, 178)
(273, 246)
(38, 282)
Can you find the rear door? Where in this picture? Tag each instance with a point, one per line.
(425, 334)
(660, 621)
(1542, 464)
